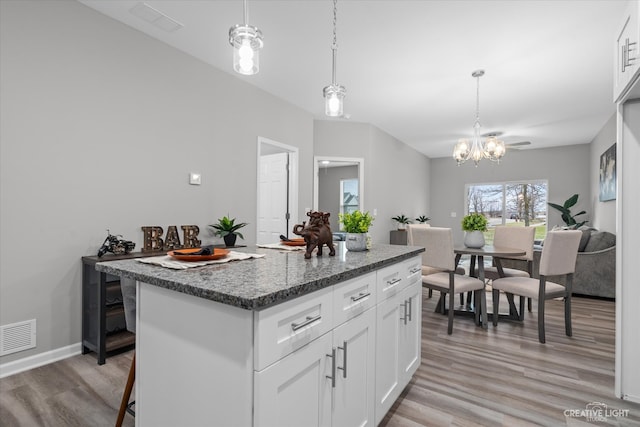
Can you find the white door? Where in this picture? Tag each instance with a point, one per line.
(295, 391)
(273, 191)
(353, 399)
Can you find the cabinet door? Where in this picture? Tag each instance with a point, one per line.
(295, 391)
(388, 324)
(353, 398)
(410, 332)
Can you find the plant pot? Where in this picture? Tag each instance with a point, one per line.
(230, 240)
(402, 227)
(356, 242)
(474, 239)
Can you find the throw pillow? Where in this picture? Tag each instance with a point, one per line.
(600, 240)
(586, 234)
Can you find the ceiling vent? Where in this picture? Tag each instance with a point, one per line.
(155, 17)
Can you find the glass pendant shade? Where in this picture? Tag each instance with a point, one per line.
(247, 42)
(334, 100)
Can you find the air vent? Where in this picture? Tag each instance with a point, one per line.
(155, 17)
(17, 337)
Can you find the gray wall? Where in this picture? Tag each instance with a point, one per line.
(329, 190)
(100, 127)
(396, 177)
(565, 168)
(604, 213)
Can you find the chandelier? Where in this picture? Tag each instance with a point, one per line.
(334, 93)
(247, 42)
(477, 149)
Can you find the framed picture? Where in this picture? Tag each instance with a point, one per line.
(608, 174)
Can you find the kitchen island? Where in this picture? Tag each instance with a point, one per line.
(278, 340)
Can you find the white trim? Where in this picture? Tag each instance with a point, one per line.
(316, 169)
(31, 362)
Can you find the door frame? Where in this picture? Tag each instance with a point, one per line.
(359, 161)
(268, 146)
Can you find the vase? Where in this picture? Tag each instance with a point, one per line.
(474, 239)
(230, 240)
(356, 242)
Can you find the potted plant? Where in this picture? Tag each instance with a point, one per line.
(422, 219)
(402, 221)
(474, 224)
(565, 210)
(356, 224)
(228, 230)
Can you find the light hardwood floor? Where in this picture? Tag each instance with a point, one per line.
(497, 377)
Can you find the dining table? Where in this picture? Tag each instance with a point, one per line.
(477, 256)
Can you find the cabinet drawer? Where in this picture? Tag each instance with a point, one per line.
(413, 270)
(390, 280)
(281, 329)
(353, 297)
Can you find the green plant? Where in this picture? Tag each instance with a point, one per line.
(422, 219)
(401, 219)
(565, 210)
(226, 226)
(356, 221)
(474, 222)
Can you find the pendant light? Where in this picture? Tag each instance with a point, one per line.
(247, 42)
(477, 149)
(334, 93)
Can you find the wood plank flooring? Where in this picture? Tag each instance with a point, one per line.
(497, 377)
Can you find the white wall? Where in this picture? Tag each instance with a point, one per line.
(604, 213)
(396, 177)
(100, 127)
(565, 168)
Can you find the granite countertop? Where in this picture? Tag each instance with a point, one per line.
(258, 283)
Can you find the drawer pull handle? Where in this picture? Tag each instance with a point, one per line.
(360, 296)
(344, 359)
(415, 270)
(410, 312)
(332, 377)
(393, 281)
(308, 321)
(404, 305)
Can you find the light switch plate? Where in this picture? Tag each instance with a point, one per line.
(195, 178)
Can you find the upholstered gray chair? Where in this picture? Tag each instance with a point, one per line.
(128, 287)
(517, 238)
(416, 236)
(558, 258)
(439, 254)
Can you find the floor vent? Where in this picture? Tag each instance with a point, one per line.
(17, 337)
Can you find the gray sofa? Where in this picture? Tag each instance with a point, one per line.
(595, 266)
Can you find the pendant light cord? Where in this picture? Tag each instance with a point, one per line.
(334, 47)
(246, 13)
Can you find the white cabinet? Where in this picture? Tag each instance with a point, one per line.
(398, 323)
(627, 44)
(295, 391)
(353, 399)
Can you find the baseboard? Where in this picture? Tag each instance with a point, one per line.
(21, 365)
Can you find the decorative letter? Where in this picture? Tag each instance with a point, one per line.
(190, 236)
(152, 239)
(172, 241)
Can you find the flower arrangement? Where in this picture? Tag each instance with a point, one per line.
(356, 221)
(474, 222)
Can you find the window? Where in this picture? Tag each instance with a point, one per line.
(349, 197)
(515, 204)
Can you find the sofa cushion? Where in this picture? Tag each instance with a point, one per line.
(600, 240)
(586, 234)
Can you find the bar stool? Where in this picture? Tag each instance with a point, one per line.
(128, 287)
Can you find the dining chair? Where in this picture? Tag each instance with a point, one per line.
(128, 287)
(439, 254)
(416, 236)
(558, 258)
(517, 238)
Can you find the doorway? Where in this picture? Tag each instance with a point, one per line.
(277, 203)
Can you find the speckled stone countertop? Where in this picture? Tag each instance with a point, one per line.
(258, 283)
